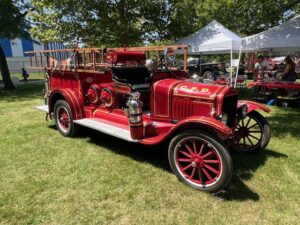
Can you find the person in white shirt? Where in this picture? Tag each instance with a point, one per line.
(258, 69)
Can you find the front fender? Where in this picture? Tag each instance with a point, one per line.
(194, 122)
(204, 121)
(254, 106)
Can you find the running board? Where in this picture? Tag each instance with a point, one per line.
(43, 108)
(106, 128)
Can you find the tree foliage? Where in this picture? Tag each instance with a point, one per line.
(12, 18)
(99, 22)
(243, 17)
(131, 22)
(12, 24)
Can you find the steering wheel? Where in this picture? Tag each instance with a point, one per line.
(162, 65)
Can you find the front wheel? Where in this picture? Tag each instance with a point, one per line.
(64, 119)
(252, 133)
(200, 161)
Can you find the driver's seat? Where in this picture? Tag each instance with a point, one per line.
(137, 78)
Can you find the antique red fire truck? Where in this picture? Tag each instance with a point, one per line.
(114, 92)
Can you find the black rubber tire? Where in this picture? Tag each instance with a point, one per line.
(226, 161)
(266, 134)
(73, 128)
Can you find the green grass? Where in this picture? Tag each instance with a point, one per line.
(32, 76)
(96, 179)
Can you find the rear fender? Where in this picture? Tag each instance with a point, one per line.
(194, 122)
(71, 98)
(254, 106)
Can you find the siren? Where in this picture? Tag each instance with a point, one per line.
(108, 97)
(93, 94)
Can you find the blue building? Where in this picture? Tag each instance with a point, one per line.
(14, 51)
(17, 47)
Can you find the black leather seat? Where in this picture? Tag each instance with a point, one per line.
(138, 78)
(131, 75)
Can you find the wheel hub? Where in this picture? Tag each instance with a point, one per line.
(194, 164)
(64, 118)
(197, 162)
(244, 131)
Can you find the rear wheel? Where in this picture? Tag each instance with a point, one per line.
(252, 134)
(200, 161)
(64, 119)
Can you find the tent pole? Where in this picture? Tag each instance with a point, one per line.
(185, 58)
(200, 67)
(237, 71)
(231, 66)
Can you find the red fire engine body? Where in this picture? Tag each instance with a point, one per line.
(126, 100)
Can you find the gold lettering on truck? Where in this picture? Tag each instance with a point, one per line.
(194, 89)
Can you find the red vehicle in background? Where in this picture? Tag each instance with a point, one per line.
(119, 96)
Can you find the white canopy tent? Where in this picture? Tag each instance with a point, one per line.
(284, 37)
(214, 38)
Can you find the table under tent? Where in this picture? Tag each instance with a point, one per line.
(215, 39)
(281, 39)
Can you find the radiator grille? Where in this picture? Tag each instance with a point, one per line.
(182, 108)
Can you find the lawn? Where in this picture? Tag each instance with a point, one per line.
(96, 179)
(32, 76)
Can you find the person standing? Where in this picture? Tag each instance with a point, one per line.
(25, 75)
(258, 69)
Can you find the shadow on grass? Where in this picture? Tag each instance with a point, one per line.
(286, 121)
(245, 164)
(22, 93)
(155, 155)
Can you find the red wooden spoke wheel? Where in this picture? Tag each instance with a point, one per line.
(200, 161)
(252, 133)
(64, 119)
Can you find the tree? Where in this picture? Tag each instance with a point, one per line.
(243, 17)
(132, 22)
(12, 25)
(102, 22)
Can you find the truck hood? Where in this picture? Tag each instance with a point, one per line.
(199, 90)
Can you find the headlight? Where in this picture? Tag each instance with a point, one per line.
(195, 77)
(242, 111)
(223, 118)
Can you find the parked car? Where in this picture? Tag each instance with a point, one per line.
(196, 66)
(199, 122)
